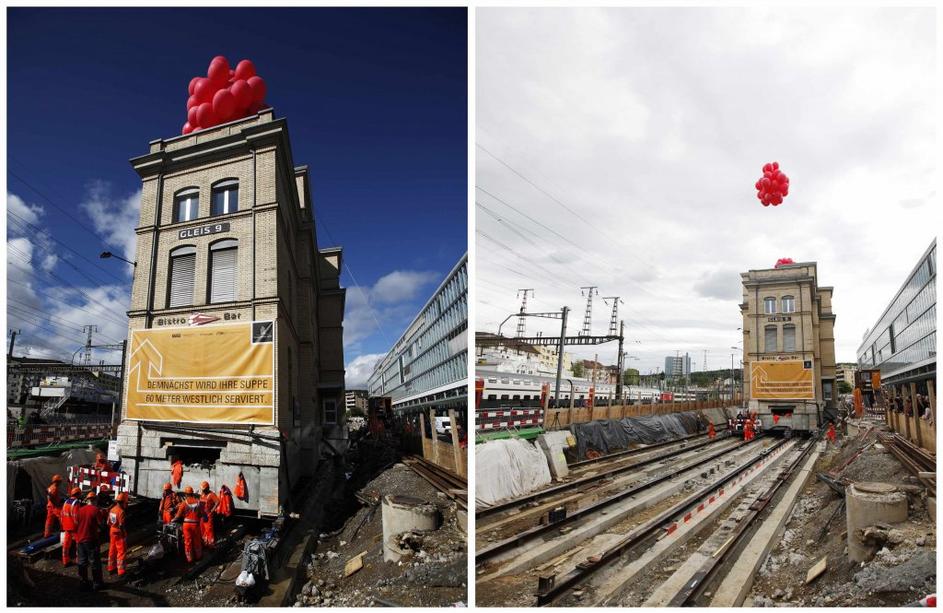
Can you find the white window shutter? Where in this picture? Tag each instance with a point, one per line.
(183, 269)
(223, 284)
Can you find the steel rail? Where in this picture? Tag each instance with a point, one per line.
(512, 542)
(636, 451)
(576, 483)
(693, 588)
(551, 589)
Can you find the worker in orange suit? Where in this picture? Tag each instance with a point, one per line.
(830, 433)
(176, 472)
(190, 512)
(54, 502)
(711, 433)
(70, 508)
(101, 462)
(748, 429)
(117, 530)
(169, 502)
(210, 505)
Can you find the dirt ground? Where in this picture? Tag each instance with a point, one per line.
(903, 571)
(432, 574)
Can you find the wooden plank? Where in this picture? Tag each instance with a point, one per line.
(354, 564)
(817, 569)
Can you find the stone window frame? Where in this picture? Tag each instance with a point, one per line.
(179, 251)
(186, 191)
(221, 186)
(788, 307)
(220, 245)
(769, 301)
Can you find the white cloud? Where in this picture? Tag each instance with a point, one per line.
(652, 125)
(359, 370)
(114, 217)
(401, 285)
(29, 213)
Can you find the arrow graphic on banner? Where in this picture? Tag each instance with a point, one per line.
(146, 358)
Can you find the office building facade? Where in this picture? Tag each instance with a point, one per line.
(427, 367)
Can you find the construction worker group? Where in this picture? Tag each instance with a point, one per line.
(83, 516)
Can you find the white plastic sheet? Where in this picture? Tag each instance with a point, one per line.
(507, 469)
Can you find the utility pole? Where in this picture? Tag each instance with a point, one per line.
(520, 318)
(556, 392)
(588, 316)
(88, 343)
(615, 312)
(731, 378)
(619, 381)
(13, 334)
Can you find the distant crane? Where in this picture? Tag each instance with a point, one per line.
(521, 319)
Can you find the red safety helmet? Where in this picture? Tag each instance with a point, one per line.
(122, 497)
(188, 490)
(76, 491)
(168, 487)
(57, 479)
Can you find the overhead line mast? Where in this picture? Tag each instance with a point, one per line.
(588, 315)
(521, 319)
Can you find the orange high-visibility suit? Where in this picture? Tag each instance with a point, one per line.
(711, 433)
(168, 505)
(176, 473)
(748, 430)
(53, 506)
(210, 504)
(830, 433)
(190, 511)
(69, 510)
(118, 533)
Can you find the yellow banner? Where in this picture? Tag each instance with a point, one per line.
(202, 374)
(783, 380)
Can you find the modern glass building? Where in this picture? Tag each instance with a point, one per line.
(902, 345)
(428, 365)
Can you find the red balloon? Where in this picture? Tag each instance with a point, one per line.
(224, 105)
(218, 71)
(257, 85)
(758, 185)
(245, 70)
(192, 102)
(243, 95)
(766, 203)
(192, 85)
(204, 90)
(785, 192)
(767, 168)
(205, 115)
(187, 128)
(775, 165)
(232, 73)
(776, 199)
(191, 116)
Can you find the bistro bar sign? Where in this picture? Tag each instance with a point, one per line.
(214, 228)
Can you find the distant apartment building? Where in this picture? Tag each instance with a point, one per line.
(845, 373)
(677, 365)
(356, 401)
(427, 367)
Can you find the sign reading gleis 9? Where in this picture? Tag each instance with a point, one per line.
(205, 374)
(782, 380)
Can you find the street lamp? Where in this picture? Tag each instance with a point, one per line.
(107, 254)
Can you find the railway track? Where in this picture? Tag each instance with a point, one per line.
(552, 588)
(602, 506)
(452, 485)
(636, 451)
(530, 500)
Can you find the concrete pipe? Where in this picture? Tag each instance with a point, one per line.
(404, 514)
(868, 504)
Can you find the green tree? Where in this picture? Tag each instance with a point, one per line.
(844, 387)
(631, 376)
(578, 370)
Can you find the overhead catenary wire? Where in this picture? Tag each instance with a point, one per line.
(19, 304)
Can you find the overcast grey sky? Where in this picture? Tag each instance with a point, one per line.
(648, 128)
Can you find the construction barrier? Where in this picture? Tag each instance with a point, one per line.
(498, 419)
(556, 419)
(33, 435)
(90, 478)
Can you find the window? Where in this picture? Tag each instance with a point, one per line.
(223, 270)
(187, 205)
(225, 197)
(789, 304)
(769, 305)
(770, 340)
(182, 271)
(789, 338)
(330, 411)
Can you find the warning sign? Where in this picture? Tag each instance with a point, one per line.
(784, 380)
(208, 374)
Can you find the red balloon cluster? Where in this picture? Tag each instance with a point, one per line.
(783, 262)
(223, 95)
(773, 186)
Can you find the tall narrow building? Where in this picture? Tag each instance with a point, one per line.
(235, 359)
(788, 346)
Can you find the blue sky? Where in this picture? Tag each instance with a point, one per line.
(376, 102)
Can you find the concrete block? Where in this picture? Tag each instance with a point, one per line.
(868, 504)
(404, 514)
(552, 444)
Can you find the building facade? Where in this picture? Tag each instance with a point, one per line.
(427, 367)
(788, 320)
(845, 373)
(677, 365)
(227, 235)
(355, 401)
(902, 344)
